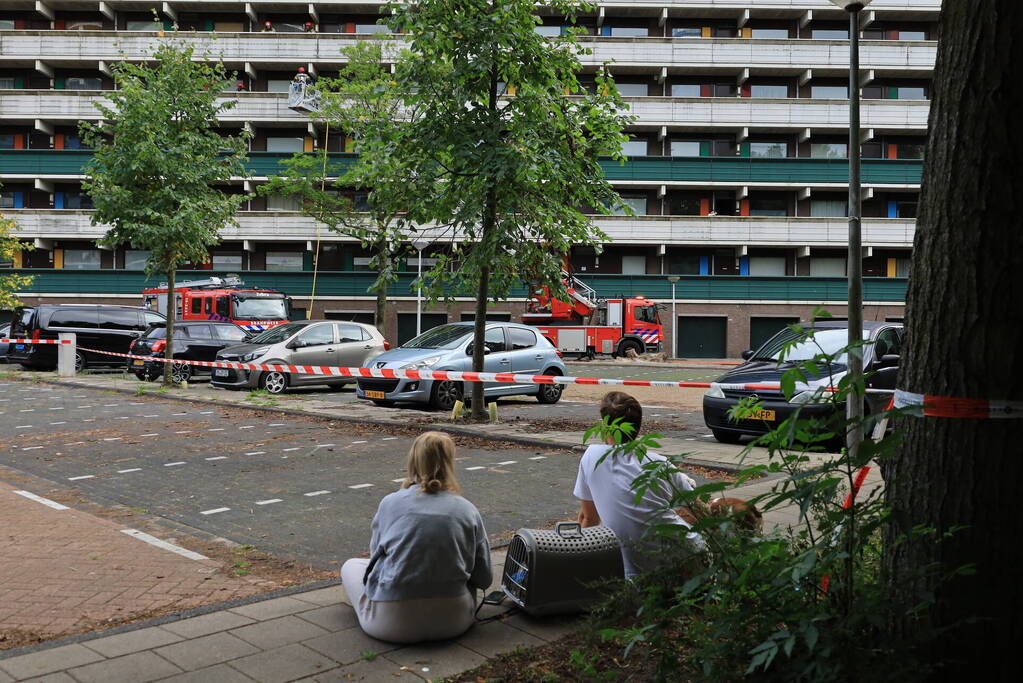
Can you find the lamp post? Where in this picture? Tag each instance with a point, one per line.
(419, 245)
(674, 318)
(854, 403)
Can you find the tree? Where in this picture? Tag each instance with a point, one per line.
(362, 104)
(9, 247)
(157, 159)
(965, 333)
(500, 154)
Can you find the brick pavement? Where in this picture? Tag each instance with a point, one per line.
(66, 570)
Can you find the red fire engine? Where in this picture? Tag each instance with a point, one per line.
(228, 299)
(588, 325)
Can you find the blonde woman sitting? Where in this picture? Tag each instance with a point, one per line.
(428, 554)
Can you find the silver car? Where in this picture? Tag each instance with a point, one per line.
(510, 347)
(302, 342)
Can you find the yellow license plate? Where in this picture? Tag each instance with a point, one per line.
(139, 363)
(761, 415)
(375, 394)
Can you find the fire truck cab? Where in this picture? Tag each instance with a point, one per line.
(224, 299)
(588, 325)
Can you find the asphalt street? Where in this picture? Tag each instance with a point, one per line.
(298, 487)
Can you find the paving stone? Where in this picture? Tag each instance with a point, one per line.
(378, 670)
(4, 678)
(277, 632)
(206, 624)
(206, 651)
(135, 668)
(338, 617)
(132, 641)
(283, 664)
(494, 638)
(324, 596)
(271, 609)
(436, 660)
(59, 677)
(48, 661)
(221, 673)
(546, 628)
(348, 646)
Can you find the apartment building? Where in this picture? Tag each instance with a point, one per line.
(736, 168)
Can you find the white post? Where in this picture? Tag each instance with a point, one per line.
(66, 354)
(674, 318)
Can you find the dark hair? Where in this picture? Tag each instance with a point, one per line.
(617, 405)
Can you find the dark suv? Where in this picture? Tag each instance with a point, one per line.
(192, 341)
(97, 326)
(880, 358)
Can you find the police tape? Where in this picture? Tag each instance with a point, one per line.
(34, 341)
(969, 408)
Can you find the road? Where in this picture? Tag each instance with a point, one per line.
(301, 488)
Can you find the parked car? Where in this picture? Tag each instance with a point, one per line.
(5, 333)
(880, 356)
(97, 326)
(510, 347)
(192, 341)
(302, 342)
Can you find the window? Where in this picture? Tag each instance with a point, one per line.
(832, 92)
(74, 316)
(636, 203)
(81, 259)
(634, 148)
(135, 259)
(317, 335)
(633, 264)
(521, 339)
(769, 33)
(77, 199)
(828, 150)
(827, 266)
(906, 209)
(200, 332)
(7, 141)
(768, 206)
(779, 91)
(278, 203)
(887, 342)
(645, 314)
(632, 89)
(911, 150)
(771, 150)
(151, 318)
(910, 93)
(227, 261)
(549, 31)
(828, 208)
(83, 25)
(684, 265)
(83, 83)
(685, 148)
(278, 85)
(687, 32)
(229, 333)
(283, 260)
(6, 24)
(8, 83)
(223, 307)
(143, 25)
(494, 340)
(724, 90)
(902, 267)
(687, 205)
(722, 148)
(74, 142)
(196, 305)
(288, 144)
(830, 33)
(628, 31)
(912, 35)
(118, 319)
(371, 28)
(6, 199)
(767, 266)
(685, 90)
(350, 333)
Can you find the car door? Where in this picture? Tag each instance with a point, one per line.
(117, 328)
(497, 360)
(354, 345)
(314, 345)
(82, 321)
(226, 335)
(888, 342)
(201, 344)
(527, 357)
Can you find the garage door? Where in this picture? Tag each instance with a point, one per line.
(762, 329)
(365, 317)
(700, 337)
(407, 324)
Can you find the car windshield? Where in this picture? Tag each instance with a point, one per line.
(259, 307)
(442, 337)
(827, 341)
(275, 335)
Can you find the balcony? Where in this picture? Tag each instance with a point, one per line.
(652, 171)
(722, 231)
(352, 284)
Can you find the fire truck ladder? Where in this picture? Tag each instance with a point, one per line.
(580, 291)
(208, 282)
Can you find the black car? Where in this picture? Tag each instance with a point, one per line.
(97, 326)
(880, 357)
(5, 332)
(198, 340)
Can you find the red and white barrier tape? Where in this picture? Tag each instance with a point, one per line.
(946, 406)
(35, 341)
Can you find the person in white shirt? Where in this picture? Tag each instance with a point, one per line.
(606, 496)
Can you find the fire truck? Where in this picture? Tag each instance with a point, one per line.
(225, 299)
(589, 325)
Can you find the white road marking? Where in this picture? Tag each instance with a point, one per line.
(355, 442)
(360, 486)
(58, 423)
(255, 453)
(153, 434)
(137, 403)
(398, 481)
(389, 438)
(508, 462)
(23, 427)
(206, 412)
(214, 511)
(247, 427)
(288, 450)
(217, 429)
(150, 416)
(45, 501)
(56, 409)
(690, 439)
(218, 457)
(184, 431)
(276, 424)
(110, 405)
(90, 419)
(174, 464)
(478, 467)
(538, 457)
(84, 406)
(179, 413)
(315, 493)
(153, 540)
(270, 501)
(27, 410)
(84, 476)
(124, 417)
(74, 443)
(324, 445)
(133, 469)
(31, 448)
(112, 438)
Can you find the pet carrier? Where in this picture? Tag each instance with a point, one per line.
(555, 572)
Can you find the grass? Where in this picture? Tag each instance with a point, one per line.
(369, 655)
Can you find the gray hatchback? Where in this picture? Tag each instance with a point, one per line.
(510, 347)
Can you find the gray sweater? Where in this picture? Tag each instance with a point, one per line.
(427, 545)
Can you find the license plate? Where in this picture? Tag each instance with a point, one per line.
(376, 394)
(138, 363)
(220, 372)
(19, 347)
(761, 415)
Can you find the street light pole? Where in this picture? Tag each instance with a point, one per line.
(419, 245)
(673, 279)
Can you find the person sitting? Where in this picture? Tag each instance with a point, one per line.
(606, 496)
(429, 554)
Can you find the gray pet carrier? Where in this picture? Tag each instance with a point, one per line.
(555, 572)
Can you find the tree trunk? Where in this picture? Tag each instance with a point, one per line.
(168, 353)
(479, 410)
(384, 265)
(965, 339)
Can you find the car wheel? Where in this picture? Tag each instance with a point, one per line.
(79, 361)
(623, 348)
(180, 372)
(445, 394)
(726, 437)
(550, 393)
(274, 382)
(383, 404)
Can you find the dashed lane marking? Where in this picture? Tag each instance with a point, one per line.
(315, 493)
(184, 431)
(110, 405)
(255, 453)
(389, 438)
(508, 462)
(27, 410)
(58, 423)
(23, 427)
(217, 429)
(276, 424)
(34, 448)
(206, 412)
(288, 450)
(137, 403)
(112, 438)
(153, 434)
(45, 501)
(247, 427)
(179, 413)
(218, 457)
(133, 469)
(478, 467)
(269, 501)
(214, 511)
(538, 457)
(56, 408)
(84, 476)
(355, 442)
(360, 486)
(174, 464)
(324, 445)
(154, 541)
(150, 416)
(74, 443)
(84, 406)
(398, 481)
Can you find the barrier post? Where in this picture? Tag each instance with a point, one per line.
(66, 354)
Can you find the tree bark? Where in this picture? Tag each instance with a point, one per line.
(384, 264)
(965, 339)
(168, 353)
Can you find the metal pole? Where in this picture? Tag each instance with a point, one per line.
(419, 293)
(854, 403)
(674, 325)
